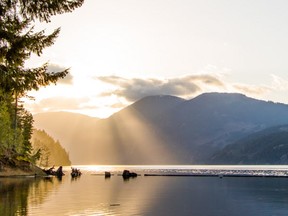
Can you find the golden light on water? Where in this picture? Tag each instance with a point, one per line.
(91, 194)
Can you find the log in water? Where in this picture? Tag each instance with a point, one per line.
(215, 175)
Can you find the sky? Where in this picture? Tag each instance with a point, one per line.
(120, 51)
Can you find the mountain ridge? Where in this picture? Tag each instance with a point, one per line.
(170, 130)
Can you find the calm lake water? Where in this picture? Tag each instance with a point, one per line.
(93, 194)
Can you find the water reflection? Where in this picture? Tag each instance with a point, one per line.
(222, 196)
(96, 195)
(13, 197)
(18, 193)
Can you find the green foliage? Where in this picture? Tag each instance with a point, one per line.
(6, 132)
(18, 41)
(26, 122)
(50, 152)
(11, 139)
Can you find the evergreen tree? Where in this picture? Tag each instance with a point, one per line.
(26, 123)
(18, 41)
(52, 153)
(6, 132)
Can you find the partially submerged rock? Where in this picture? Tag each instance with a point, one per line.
(127, 174)
(107, 174)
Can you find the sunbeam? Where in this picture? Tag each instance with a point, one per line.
(137, 139)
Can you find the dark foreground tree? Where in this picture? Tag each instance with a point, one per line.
(18, 41)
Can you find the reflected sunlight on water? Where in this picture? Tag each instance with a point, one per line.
(93, 194)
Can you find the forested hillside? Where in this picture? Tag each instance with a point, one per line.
(269, 146)
(52, 153)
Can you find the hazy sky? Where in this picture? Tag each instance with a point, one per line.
(122, 50)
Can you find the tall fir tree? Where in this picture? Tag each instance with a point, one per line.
(18, 41)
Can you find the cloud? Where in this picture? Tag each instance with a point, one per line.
(58, 104)
(251, 89)
(136, 88)
(279, 82)
(118, 105)
(118, 92)
(57, 68)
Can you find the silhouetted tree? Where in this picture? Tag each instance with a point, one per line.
(52, 153)
(18, 41)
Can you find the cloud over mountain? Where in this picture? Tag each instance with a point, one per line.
(104, 95)
(251, 90)
(136, 88)
(59, 103)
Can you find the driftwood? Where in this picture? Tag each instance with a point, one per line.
(75, 172)
(59, 172)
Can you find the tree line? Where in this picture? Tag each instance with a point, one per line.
(18, 41)
(52, 153)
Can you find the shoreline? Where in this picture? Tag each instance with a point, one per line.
(20, 169)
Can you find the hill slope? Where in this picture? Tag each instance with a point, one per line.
(52, 153)
(207, 123)
(269, 146)
(73, 130)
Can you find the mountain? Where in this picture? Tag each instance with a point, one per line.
(163, 129)
(127, 137)
(135, 134)
(52, 153)
(207, 123)
(269, 146)
(71, 129)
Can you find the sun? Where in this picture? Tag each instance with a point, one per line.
(83, 95)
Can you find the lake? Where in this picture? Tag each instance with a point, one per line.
(93, 194)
